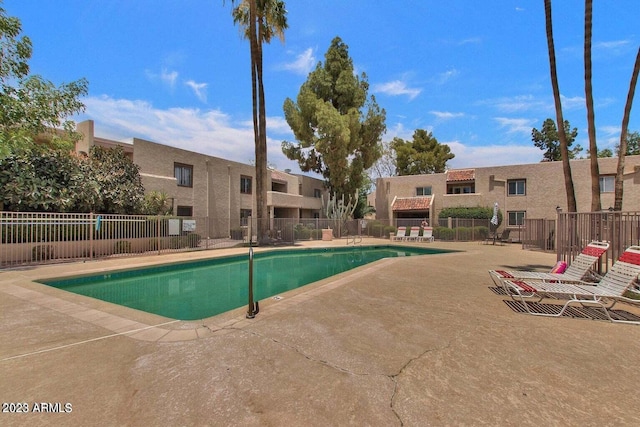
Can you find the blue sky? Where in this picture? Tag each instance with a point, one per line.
(177, 72)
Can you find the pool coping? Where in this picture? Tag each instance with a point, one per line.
(144, 326)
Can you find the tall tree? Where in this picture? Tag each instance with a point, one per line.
(261, 21)
(424, 154)
(619, 182)
(335, 138)
(633, 144)
(548, 140)
(591, 121)
(385, 165)
(29, 104)
(564, 150)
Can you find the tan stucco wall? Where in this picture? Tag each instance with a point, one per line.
(544, 188)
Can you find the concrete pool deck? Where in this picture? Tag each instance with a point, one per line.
(404, 341)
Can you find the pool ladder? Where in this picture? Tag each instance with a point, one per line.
(355, 240)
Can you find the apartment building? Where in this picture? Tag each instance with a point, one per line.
(200, 185)
(529, 190)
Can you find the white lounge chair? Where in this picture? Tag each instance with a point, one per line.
(427, 234)
(604, 294)
(400, 234)
(414, 234)
(578, 270)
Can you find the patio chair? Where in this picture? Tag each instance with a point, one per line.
(504, 237)
(427, 234)
(400, 234)
(579, 269)
(604, 294)
(414, 234)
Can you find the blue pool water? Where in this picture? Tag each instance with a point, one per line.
(201, 289)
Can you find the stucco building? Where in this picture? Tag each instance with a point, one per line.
(204, 186)
(529, 190)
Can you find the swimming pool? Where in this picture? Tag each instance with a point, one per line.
(201, 289)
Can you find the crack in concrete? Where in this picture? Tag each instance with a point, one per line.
(392, 377)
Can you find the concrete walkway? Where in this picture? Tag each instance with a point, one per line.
(402, 342)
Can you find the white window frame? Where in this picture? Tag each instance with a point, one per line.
(518, 216)
(517, 183)
(607, 183)
(420, 191)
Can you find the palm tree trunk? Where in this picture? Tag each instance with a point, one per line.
(619, 185)
(261, 144)
(593, 147)
(564, 151)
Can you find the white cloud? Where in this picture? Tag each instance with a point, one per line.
(515, 125)
(210, 132)
(572, 103)
(166, 77)
(467, 156)
(447, 75)
(614, 47)
(199, 89)
(395, 88)
(303, 63)
(446, 115)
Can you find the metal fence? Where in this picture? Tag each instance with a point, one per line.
(36, 238)
(575, 230)
(539, 234)
(53, 237)
(572, 231)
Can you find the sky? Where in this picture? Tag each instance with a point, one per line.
(475, 74)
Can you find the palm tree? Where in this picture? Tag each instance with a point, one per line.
(593, 148)
(623, 135)
(564, 151)
(261, 20)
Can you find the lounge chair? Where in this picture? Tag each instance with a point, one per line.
(414, 234)
(605, 294)
(400, 233)
(427, 234)
(579, 269)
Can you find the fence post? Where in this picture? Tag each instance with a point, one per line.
(91, 236)
(158, 232)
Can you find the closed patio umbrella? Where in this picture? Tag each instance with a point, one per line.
(494, 221)
(494, 218)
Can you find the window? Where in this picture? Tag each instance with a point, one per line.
(461, 189)
(607, 184)
(517, 187)
(516, 218)
(423, 191)
(317, 193)
(183, 174)
(244, 216)
(245, 184)
(185, 211)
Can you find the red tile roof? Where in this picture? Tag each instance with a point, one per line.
(461, 175)
(419, 203)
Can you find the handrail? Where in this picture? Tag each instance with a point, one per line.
(354, 239)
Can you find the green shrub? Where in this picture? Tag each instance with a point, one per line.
(389, 229)
(302, 233)
(477, 212)
(444, 233)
